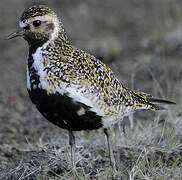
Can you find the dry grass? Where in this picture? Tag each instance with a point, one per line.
(145, 52)
(151, 150)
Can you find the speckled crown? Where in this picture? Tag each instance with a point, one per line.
(37, 10)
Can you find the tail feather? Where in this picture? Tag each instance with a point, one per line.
(151, 102)
(155, 103)
(160, 101)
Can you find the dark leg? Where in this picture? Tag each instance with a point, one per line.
(111, 155)
(72, 144)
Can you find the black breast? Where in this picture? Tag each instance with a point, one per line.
(61, 109)
(63, 112)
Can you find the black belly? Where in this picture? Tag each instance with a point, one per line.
(62, 111)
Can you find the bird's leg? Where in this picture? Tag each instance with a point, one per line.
(72, 144)
(111, 155)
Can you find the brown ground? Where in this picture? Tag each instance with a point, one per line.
(142, 42)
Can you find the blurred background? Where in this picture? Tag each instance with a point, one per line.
(140, 40)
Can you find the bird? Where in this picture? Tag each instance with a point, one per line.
(70, 87)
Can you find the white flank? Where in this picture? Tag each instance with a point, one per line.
(81, 111)
(78, 95)
(28, 80)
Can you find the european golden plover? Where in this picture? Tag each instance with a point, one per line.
(71, 88)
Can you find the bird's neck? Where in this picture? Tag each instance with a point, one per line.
(58, 38)
(50, 49)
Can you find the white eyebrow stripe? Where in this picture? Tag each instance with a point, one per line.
(22, 24)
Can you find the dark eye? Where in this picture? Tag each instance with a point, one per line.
(37, 23)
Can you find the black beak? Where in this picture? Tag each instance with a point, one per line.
(16, 34)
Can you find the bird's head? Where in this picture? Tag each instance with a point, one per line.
(37, 24)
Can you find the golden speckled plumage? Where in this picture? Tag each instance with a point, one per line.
(69, 64)
(58, 67)
(36, 11)
(71, 88)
